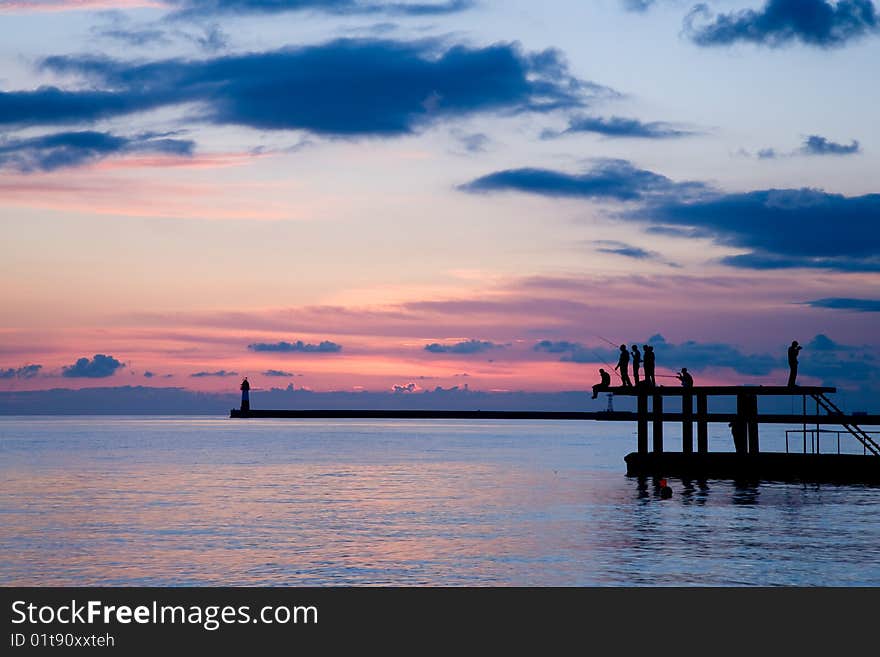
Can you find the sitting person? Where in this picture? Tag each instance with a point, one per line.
(604, 385)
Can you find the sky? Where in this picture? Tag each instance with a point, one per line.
(399, 197)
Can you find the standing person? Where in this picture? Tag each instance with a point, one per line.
(603, 385)
(245, 395)
(685, 377)
(623, 367)
(637, 361)
(649, 365)
(793, 363)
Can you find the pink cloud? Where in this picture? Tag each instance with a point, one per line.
(384, 345)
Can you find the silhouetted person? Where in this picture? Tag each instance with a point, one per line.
(245, 395)
(793, 362)
(685, 377)
(649, 365)
(603, 385)
(738, 429)
(637, 362)
(665, 490)
(623, 367)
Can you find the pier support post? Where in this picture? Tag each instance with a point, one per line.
(642, 420)
(687, 424)
(702, 424)
(747, 412)
(753, 425)
(658, 424)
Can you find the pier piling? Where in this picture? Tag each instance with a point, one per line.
(642, 420)
(658, 424)
(687, 424)
(702, 424)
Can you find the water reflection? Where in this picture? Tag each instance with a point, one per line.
(178, 502)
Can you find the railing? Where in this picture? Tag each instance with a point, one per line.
(815, 435)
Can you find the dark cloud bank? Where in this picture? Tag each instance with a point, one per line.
(344, 88)
(463, 348)
(843, 303)
(99, 367)
(779, 228)
(620, 127)
(817, 23)
(23, 372)
(325, 347)
(69, 149)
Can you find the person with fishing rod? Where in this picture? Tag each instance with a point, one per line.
(623, 367)
(637, 362)
(687, 381)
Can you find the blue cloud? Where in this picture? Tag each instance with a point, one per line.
(465, 347)
(822, 342)
(769, 261)
(699, 356)
(24, 372)
(99, 367)
(835, 363)
(149, 375)
(49, 105)
(609, 179)
(813, 22)
(70, 149)
(813, 145)
(557, 346)
(325, 347)
(221, 373)
(135, 36)
(843, 303)
(344, 88)
(200, 8)
(277, 373)
(783, 228)
(638, 5)
(572, 352)
(816, 145)
(474, 142)
(620, 127)
(626, 250)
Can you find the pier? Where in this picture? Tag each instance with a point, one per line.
(748, 461)
(651, 457)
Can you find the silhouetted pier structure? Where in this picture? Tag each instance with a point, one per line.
(748, 460)
(694, 461)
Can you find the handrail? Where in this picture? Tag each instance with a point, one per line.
(815, 447)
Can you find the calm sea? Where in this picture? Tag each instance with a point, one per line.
(211, 501)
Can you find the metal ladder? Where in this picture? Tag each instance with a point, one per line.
(831, 408)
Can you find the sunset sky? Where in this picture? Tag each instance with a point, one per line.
(389, 195)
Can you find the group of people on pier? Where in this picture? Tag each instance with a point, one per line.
(644, 363)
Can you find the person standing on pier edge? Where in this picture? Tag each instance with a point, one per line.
(685, 377)
(623, 367)
(793, 363)
(649, 365)
(245, 395)
(603, 385)
(637, 361)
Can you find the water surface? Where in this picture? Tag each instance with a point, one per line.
(212, 501)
